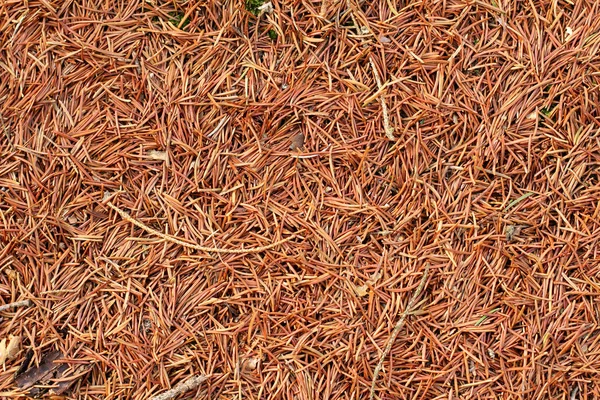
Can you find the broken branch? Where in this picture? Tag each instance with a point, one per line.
(190, 383)
(16, 304)
(396, 330)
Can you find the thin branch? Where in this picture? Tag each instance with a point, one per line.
(22, 303)
(194, 246)
(190, 383)
(396, 330)
(389, 130)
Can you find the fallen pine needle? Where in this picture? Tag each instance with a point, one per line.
(190, 383)
(396, 330)
(22, 303)
(194, 246)
(389, 131)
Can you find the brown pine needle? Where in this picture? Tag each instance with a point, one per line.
(389, 130)
(190, 383)
(466, 140)
(396, 330)
(194, 246)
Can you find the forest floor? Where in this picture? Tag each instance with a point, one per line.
(300, 199)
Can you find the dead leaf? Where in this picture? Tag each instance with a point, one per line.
(532, 115)
(250, 364)
(568, 32)
(13, 347)
(266, 8)
(384, 39)
(375, 277)
(158, 155)
(9, 350)
(11, 274)
(3, 351)
(511, 231)
(362, 291)
(297, 142)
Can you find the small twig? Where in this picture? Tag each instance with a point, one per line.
(190, 383)
(396, 330)
(389, 130)
(194, 246)
(22, 303)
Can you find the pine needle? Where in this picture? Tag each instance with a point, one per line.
(396, 330)
(194, 246)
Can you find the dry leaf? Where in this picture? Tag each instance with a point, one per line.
(11, 274)
(297, 142)
(266, 8)
(511, 231)
(251, 364)
(384, 39)
(3, 351)
(10, 350)
(375, 277)
(13, 348)
(568, 32)
(362, 291)
(158, 155)
(533, 115)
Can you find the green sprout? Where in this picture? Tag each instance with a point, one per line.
(254, 6)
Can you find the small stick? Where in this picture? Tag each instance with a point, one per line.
(190, 383)
(22, 303)
(389, 131)
(396, 330)
(194, 246)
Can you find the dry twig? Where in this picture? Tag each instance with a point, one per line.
(194, 246)
(389, 130)
(16, 304)
(396, 331)
(190, 383)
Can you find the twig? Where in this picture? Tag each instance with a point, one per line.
(190, 383)
(396, 330)
(389, 130)
(22, 303)
(194, 246)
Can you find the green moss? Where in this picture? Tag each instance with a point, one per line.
(178, 19)
(254, 5)
(272, 34)
(547, 110)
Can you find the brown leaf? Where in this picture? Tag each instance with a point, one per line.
(3, 351)
(13, 347)
(10, 349)
(511, 232)
(361, 290)
(158, 155)
(11, 274)
(250, 364)
(297, 142)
